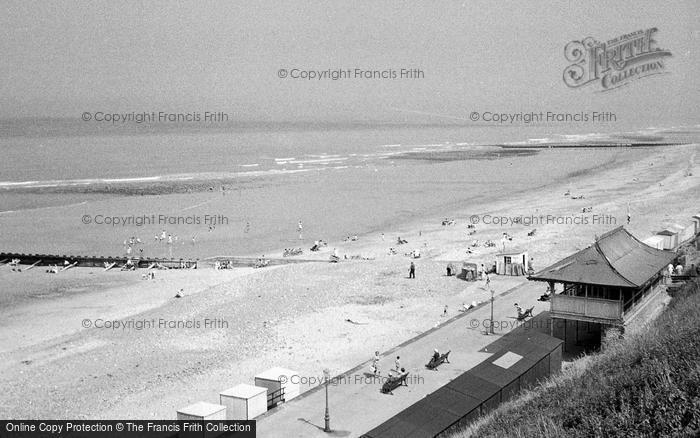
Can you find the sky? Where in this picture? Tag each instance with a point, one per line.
(60, 59)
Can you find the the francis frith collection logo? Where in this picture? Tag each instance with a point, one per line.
(616, 62)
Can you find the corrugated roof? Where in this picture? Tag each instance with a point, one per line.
(463, 395)
(473, 386)
(616, 259)
(454, 402)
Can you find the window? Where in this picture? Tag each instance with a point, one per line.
(507, 260)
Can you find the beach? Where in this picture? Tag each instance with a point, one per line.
(233, 324)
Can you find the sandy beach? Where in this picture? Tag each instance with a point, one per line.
(304, 317)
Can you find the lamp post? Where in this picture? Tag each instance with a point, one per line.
(491, 322)
(327, 376)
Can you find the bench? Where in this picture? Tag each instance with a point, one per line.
(393, 382)
(436, 362)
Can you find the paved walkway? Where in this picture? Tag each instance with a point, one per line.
(356, 405)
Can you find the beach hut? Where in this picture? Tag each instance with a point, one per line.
(244, 402)
(282, 384)
(687, 232)
(696, 224)
(671, 235)
(469, 271)
(512, 262)
(656, 242)
(202, 411)
(452, 269)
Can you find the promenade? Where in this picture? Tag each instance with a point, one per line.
(356, 404)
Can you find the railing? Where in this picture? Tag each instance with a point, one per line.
(274, 398)
(589, 307)
(640, 296)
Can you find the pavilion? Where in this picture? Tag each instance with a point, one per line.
(608, 284)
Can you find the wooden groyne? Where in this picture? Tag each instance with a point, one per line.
(96, 261)
(587, 145)
(33, 260)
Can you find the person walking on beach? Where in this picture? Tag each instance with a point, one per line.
(375, 364)
(299, 229)
(397, 364)
(488, 280)
(412, 271)
(629, 214)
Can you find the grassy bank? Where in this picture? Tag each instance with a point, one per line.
(646, 384)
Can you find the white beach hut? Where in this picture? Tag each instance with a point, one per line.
(671, 236)
(202, 411)
(277, 379)
(244, 402)
(696, 224)
(512, 262)
(656, 242)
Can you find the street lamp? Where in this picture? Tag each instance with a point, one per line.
(327, 376)
(491, 324)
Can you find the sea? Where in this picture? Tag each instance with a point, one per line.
(263, 178)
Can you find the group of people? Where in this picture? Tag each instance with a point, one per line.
(222, 264)
(288, 252)
(53, 269)
(131, 243)
(374, 368)
(261, 262)
(167, 237)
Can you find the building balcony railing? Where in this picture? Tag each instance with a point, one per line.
(593, 308)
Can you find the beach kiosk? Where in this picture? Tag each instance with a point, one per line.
(282, 385)
(202, 411)
(512, 262)
(244, 402)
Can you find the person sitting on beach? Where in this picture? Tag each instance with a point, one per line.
(180, 293)
(436, 354)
